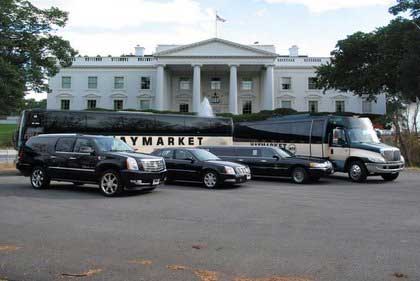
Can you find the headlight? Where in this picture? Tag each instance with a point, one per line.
(376, 159)
(229, 170)
(132, 164)
(318, 165)
(248, 170)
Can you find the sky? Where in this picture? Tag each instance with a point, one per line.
(110, 27)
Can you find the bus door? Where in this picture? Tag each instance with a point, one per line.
(339, 149)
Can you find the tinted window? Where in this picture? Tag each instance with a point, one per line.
(183, 155)
(167, 154)
(82, 142)
(317, 131)
(65, 122)
(40, 145)
(267, 152)
(65, 144)
(219, 151)
(248, 152)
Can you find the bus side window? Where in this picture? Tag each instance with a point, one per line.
(338, 137)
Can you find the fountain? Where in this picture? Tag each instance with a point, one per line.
(205, 109)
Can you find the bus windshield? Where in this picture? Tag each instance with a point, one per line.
(111, 144)
(360, 130)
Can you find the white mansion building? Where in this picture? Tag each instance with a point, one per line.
(235, 78)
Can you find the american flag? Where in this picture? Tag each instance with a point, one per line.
(219, 18)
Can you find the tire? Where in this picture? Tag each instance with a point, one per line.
(110, 183)
(211, 179)
(357, 171)
(299, 175)
(390, 177)
(39, 178)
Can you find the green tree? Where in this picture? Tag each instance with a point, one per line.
(30, 52)
(410, 6)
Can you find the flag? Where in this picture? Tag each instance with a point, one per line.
(219, 18)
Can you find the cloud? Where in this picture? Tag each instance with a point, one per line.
(319, 6)
(261, 12)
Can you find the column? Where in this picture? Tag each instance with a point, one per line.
(160, 85)
(233, 89)
(196, 99)
(269, 88)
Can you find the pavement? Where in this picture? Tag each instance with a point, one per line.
(260, 231)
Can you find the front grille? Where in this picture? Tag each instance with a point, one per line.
(153, 165)
(241, 170)
(392, 155)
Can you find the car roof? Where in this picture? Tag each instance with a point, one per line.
(71, 135)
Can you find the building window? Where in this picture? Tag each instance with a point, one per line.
(66, 82)
(144, 104)
(184, 108)
(118, 82)
(145, 83)
(247, 107)
(286, 83)
(286, 104)
(91, 104)
(65, 104)
(215, 99)
(92, 82)
(313, 106)
(216, 84)
(246, 84)
(366, 106)
(339, 106)
(118, 105)
(184, 84)
(312, 83)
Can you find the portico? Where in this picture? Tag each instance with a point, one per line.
(246, 74)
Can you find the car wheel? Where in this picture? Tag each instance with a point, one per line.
(357, 171)
(39, 178)
(299, 175)
(390, 177)
(110, 183)
(210, 179)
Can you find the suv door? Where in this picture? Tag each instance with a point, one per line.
(83, 160)
(59, 168)
(186, 166)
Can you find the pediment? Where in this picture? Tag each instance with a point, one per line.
(215, 47)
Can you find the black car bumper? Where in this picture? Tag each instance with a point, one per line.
(320, 172)
(142, 180)
(234, 178)
(24, 169)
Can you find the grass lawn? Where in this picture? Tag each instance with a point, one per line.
(6, 135)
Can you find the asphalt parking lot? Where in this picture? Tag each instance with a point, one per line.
(260, 231)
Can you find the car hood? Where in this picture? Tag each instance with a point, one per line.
(224, 163)
(135, 155)
(374, 147)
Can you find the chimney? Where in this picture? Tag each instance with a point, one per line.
(139, 51)
(294, 51)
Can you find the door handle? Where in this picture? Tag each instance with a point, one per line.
(53, 157)
(72, 158)
(240, 159)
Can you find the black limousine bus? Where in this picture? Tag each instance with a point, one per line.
(143, 131)
(350, 143)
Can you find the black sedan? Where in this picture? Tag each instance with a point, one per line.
(198, 165)
(275, 162)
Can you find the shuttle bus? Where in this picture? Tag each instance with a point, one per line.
(350, 143)
(143, 131)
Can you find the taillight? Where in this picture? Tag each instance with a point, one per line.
(20, 154)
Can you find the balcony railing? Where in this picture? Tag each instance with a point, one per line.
(301, 61)
(110, 61)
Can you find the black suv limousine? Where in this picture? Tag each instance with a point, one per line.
(80, 159)
(194, 164)
(274, 162)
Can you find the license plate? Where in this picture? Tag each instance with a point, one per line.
(248, 177)
(156, 181)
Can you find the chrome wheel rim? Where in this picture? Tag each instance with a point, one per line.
(109, 183)
(298, 175)
(210, 180)
(37, 178)
(355, 171)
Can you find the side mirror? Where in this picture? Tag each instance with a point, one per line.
(86, 149)
(276, 157)
(191, 159)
